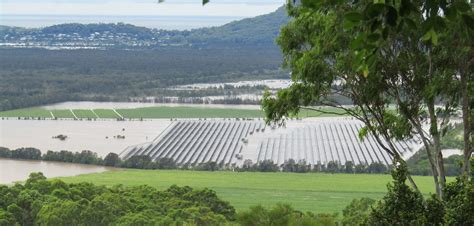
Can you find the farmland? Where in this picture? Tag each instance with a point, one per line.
(150, 113)
(308, 192)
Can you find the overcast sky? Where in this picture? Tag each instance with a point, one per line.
(231, 8)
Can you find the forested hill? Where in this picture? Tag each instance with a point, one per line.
(259, 31)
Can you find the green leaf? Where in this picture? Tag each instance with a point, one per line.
(349, 24)
(364, 69)
(363, 132)
(427, 36)
(353, 16)
(434, 38)
(205, 2)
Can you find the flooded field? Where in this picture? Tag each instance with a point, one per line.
(97, 136)
(270, 83)
(19, 170)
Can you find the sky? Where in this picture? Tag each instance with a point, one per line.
(226, 8)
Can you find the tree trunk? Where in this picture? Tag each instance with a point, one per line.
(466, 117)
(436, 136)
(433, 163)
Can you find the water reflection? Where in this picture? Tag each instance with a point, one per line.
(19, 170)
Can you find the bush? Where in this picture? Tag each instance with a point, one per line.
(166, 163)
(208, 166)
(403, 205)
(282, 214)
(459, 196)
(357, 212)
(112, 159)
(267, 166)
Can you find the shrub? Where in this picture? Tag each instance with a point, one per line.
(357, 212)
(403, 205)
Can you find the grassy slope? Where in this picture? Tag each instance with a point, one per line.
(309, 192)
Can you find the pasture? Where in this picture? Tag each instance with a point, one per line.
(317, 192)
(153, 113)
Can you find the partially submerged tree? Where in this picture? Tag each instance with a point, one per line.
(393, 59)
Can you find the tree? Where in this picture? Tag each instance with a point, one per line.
(166, 163)
(60, 213)
(357, 212)
(390, 59)
(267, 166)
(112, 159)
(404, 205)
(6, 218)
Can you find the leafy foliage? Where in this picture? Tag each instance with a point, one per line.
(45, 202)
(357, 212)
(282, 214)
(404, 205)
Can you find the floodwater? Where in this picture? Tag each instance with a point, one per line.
(270, 83)
(96, 136)
(18, 170)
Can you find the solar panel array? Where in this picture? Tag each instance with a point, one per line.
(227, 142)
(194, 142)
(325, 141)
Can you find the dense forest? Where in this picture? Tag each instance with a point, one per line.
(31, 77)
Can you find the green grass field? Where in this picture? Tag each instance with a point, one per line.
(156, 112)
(62, 113)
(189, 112)
(308, 192)
(106, 113)
(81, 113)
(27, 112)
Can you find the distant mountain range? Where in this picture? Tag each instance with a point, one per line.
(260, 31)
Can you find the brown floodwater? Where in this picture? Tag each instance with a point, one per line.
(18, 170)
(96, 136)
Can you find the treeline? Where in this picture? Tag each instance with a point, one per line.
(418, 164)
(146, 162)
(32, 77)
